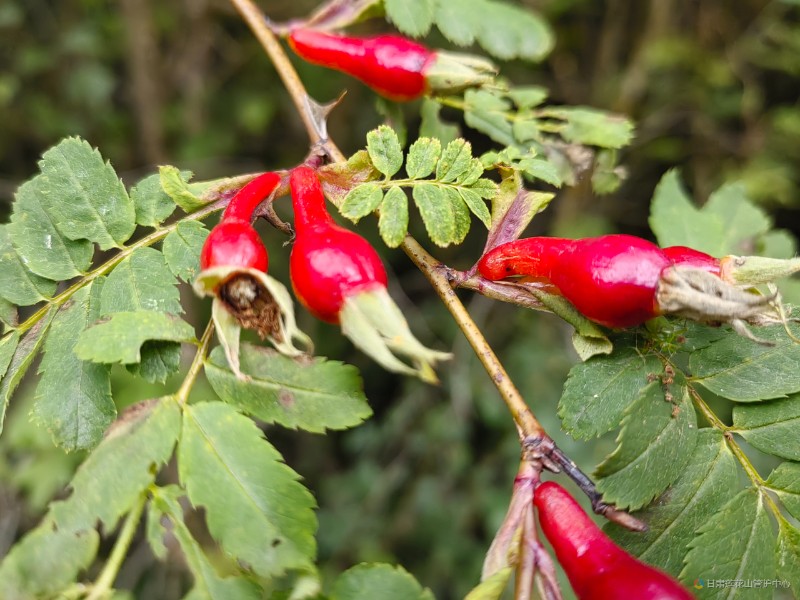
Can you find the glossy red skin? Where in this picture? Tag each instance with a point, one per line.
(689, 257)
(234, 244)
(391, 65)
(610, 279)
(328, 263)
(597, 568)
(246, 200)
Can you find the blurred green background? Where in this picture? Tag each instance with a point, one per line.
(713, 86)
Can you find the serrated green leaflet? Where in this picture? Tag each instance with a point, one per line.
(537, 168)
(744, 371)
(737, 539)
(255, 506)
(43, 248)
(507, 31)
(20, 286)
(159, 361)
(526, 130)
(431, 124)
(120, 337)
(361, 201)
(24, 353)
(412, 17)
(151, 203)
(208, 584)
(314, 395)
(423, 156)
(785, 480)
(491, 588)
(84, 197)
(598, 391)
(473, 174)
(378, 580)
(456, 160)
(476, 205)
(73, 397)
(393, 220)
(182, 248)
(788, 553)
(461, 216)
(528, 96)
(384, 150)
(656, 441)
(46, 561)
(703, 487)
(142, 281)
(771, 427)
(436, 212)
(176, 187)
(110, 481)
(487, 113)
(458, 21)
(592, 127)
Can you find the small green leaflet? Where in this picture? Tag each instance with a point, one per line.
(461, 216)
(370, 581)
(529, 96)
(412, 17)
(119, 337)
(173, 182)
(361, 201)
(142, 281)
(43, 248)
(431, 123)
(785, 481)
(476, 205)
(20, 286)
(700, 491)
(436, 212)
(742, 221)
(455, 162)
(182, 248)
(255, 506)
(312, 394)
(393, 220)
(788, 553)
(771, 427)
(384, 150)
(598, 391)
(151, 203)
(744, 371)
(46, 561)
(159, 361)
(592, 127)
(24, 353)
(208, 585)
(73, 397)
(737, 539)
(8, 344)
(489, 113)
(423, 156)
(85, 198)
(656, 441)
(110, 481)
(507, 31)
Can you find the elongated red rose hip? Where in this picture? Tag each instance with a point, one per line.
(597, 568)
(392, 65)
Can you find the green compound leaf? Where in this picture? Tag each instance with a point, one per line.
(697, 495)
(208, 584)
(182, 249)
(45, 562)
(423, 155)
(437, 213)
(315, 394)
(744, 371)
(367, 581)
(476, 204)
(656, 441)
(43, 248)
(255, 506)
(24, 352)
(116, 473)
(592, 127)
(412, 17)
(456, 161)
(393, 220)
(384, 150)
(151, 202)
(598, 391)
(788, 553)
(771, 427)
(461, 216)
(174, 184)
(142, 281)
(737, 539)
(20, 286)
(119, 337)
(73, 397)
(785, 481)
(84, 196)
(488, 113)
(159, 361)
(362, 201)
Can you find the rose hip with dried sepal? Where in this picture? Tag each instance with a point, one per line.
(339, 277)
